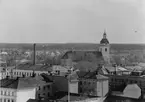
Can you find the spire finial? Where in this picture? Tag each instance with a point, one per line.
(104, 35)
(105, 31)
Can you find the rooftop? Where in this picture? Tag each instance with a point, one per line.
(36, 100)
(104, 41)
(22, 83)
(9, 83)
(28, 66)
(76, 97)
(76, 54)
(31, 82)
(118, 68)
(91, 75)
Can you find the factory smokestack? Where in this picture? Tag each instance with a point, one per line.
(34, 45)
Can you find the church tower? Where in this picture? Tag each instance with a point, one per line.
(105, 48)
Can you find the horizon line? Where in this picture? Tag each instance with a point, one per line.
(62, 43)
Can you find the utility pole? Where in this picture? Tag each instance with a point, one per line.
(68, 91)
(69, 86)
(102, 88)
(34, 51)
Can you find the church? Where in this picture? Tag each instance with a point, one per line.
(99, 56)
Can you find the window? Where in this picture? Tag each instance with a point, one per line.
(12, 93)
(20, 73)
(5, 100)
(1, 92)
(84, 82)
(12, 100)
(80, 90)
(105, 49)
(38, 95)
(80, 83)
(5, 93)
(26, 73)
(8, 100)
(39, 88)
(8, 93)
(14, 73)
(48, 94)
(44, 88)
(48, 86)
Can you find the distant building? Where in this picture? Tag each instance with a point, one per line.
(64, 84)
(8, 90)
(60, 70)
(92, 84)
(101, 55)
(22, 89)
(3, 74)
(118, 70)
(78, 98)
(2, 69)
(71, 57)
(105, 48)
(27, 70)
(119, 82)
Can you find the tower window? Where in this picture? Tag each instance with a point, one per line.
(106, 49)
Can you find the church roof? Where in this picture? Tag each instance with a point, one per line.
(81, 54)
(104, 41)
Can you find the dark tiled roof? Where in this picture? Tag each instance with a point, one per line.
(104, 41)
(45, 76)
(73, 98)
(97, 54)
(28, 66)
(31, 82)
(9, 83)
(81, 74)
(60, 83)
(91, 75)
(36, 100)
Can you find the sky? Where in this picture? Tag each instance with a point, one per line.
(72, 21)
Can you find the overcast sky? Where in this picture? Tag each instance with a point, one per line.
(63, 21)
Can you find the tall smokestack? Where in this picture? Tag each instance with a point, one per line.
(34, 45)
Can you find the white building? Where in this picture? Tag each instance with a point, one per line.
(28, 70)
(8, 90)
(2, 71)
(60, 70)
(22, 89)
(3, 75)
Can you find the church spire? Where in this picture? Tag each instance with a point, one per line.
(104, 35)
(104, 39)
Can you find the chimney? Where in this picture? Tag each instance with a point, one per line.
(34, 45)
(115, 66)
